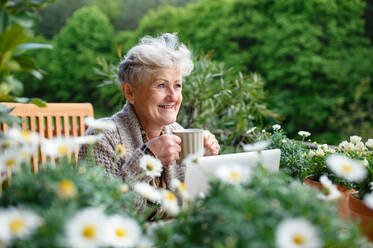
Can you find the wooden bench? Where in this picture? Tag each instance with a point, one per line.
(54, 120)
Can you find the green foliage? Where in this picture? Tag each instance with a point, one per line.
(40, 193)
(54, 16)
(311, 53)
(248, 216)
(86, 36)
(224, 101)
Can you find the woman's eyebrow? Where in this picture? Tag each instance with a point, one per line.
(162, 79)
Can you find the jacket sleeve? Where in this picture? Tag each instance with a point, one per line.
(104, 154)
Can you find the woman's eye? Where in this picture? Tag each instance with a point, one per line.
(160, 86)
(178, 86)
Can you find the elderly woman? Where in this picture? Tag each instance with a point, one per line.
(151, 77)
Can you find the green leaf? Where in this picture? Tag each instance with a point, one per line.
(4, 20)
(38, 102)
(31, 46)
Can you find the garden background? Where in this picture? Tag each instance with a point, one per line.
(304, 64)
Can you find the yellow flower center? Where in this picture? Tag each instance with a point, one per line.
(149, 167)
(195, 161)
(26, 135)
(346, 168)
(16, 226)
(63, 150)
(66, 189)
(182, 186)
(89, 232)
(121, 233)
(170, 196)
(10, 162)
(299, 239)
(235, 176)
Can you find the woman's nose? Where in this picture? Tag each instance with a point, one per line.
(172, 95)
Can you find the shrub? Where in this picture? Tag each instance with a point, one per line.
(87, 35)
(311, 53)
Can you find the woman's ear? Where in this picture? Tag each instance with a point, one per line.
(128, 92)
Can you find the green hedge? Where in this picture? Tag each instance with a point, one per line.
(312, 53)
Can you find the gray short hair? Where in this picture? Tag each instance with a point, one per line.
(152, 54)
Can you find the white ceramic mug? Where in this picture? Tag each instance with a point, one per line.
(191, 141)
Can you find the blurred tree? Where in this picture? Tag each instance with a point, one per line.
(311, 53)
(123, 14)
(54, 16)
(87, 35)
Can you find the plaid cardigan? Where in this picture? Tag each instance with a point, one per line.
(127, 133)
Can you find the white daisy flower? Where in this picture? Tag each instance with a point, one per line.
(151, 165)
(283, 141)
(345, 145)
(360, 147)
(351, 170)
(257, 146)
(369, 143)
(99, 125)
(193, 159)
(365, 162)
(304, 133)
(180, 188)
(20, 223)
(5, 234)
(86, 229)
(329, 191)
(368, 200)
(355, 139)
(121, 231)
(147, 191)
(23, 136)
(297, 233)
(276, 127)
(320, 152)
(233, 173)
(89, 139)
(311, 153)
(59, 147)
(251, 130)
(11, 160)
(145, 243)
(169, 203)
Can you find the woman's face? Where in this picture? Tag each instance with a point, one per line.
(157, 101)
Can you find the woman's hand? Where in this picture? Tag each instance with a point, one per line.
(210, 144)
(166, 148)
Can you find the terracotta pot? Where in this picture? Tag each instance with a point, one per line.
(359, 211)
(343, 209)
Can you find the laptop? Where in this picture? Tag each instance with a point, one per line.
(196, 176)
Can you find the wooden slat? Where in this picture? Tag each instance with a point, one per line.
(4, 127)
(65, 126)
(81, 125)
(41, 130)
(35, 155)
(57, 126)
(49, 127)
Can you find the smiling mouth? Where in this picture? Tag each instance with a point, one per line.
(167, 106)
